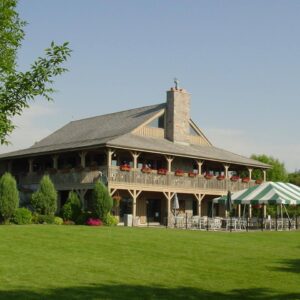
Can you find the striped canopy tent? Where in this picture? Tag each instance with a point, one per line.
(266, 193)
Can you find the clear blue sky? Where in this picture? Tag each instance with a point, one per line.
(238, 59)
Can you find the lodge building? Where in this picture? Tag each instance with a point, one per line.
(144, 155)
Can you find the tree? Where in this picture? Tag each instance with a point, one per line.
(44, 200)
(294, 178)
(9, 196)
(102, 201)
(276, 173)
(72, 208)
(18, 88)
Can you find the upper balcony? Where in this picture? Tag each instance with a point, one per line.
(180, 182)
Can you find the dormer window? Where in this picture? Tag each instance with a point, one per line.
(158, 122)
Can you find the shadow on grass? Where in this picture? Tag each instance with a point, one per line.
(120, 292)
(289, 265)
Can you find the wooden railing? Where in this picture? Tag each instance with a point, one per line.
(137, 178)
(66, 179)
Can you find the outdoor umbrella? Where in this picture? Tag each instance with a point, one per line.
(228, 202)
(175, 204)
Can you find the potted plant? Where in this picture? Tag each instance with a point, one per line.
(125, 167)
(245, 179)
(146, 170)
(258, 181)
(221, 177)
(179, 172)
(162, 171)
(52, 170)
(235, 178)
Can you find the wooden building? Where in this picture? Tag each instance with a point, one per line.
(144, 155)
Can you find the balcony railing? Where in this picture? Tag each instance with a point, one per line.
(71, 178)
(134, 178)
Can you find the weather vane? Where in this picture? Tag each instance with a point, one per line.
(176, 81)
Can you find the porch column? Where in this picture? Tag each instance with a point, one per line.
(250, 211)
(265, 175)
(200, 163)
(135, 156)
(199, 198)
(30, 162)
(265, 210)
(239, 210)
(169, 160)
(169, 196)
(82, 158)
(250, 170)
(226, 167)
(134, 194)
(110, 153)
(55, 161)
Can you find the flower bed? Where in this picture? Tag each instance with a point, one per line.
(220, 177)
(93, 222)
(235, 178)
(162, 171)
(125, 168)
(179, 172)
(246, 179)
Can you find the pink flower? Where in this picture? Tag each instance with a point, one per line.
(93, 222)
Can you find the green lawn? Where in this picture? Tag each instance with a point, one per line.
(80, 262)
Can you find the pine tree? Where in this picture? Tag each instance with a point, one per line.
(72, 208)
(102, 201)
(9, 196)
(44, 200)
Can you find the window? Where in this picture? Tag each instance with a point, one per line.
(158, 122)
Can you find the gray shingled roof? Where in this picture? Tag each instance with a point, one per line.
(115, 130)
(148, 144)
(91, 131)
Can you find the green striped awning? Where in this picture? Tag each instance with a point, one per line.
(266, 193)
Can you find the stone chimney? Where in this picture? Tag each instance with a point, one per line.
(178, 115)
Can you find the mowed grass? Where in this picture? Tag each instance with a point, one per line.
(80, 262)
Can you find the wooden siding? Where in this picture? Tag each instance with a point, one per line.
(151, 132)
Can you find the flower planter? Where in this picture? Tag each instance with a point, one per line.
(235, 178)
(192, 174)
(246, 179)
(125, 168)
(162, 171)
(220, 177)
(146, 170)
(258, 181)
(179, 173)
(208, 176)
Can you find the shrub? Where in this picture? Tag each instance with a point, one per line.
(9, 196)
(58, 221)
(44, 200)
(93, 222)
(72, 208)
(22, 216)
(110, 220)
(83, 217)
(102, 201)
(42, 219)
